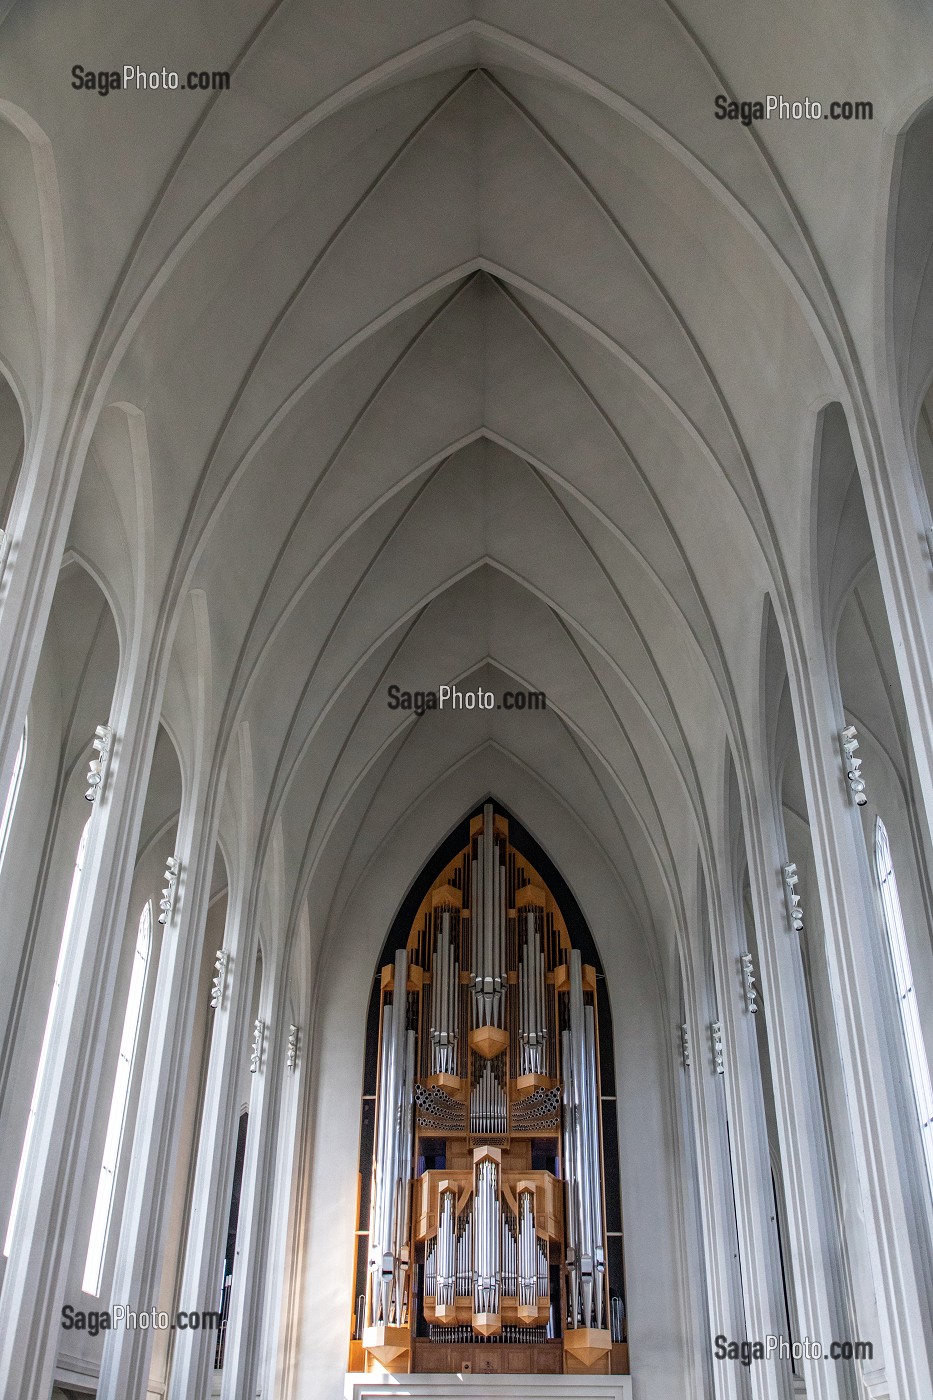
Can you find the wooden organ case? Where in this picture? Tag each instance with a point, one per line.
(483, 1239)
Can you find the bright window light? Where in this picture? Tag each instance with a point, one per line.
(6, 821)
(63, 960)
(906, 995)
(100, 1225)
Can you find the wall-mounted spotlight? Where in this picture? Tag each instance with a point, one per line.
(719, 1063)
(794, 904)
(259, 1031)
(291, 1051)
(853, 766)
(218, 986)
(685, 1045)
(167, 902)
(748, 975)
(97, 768)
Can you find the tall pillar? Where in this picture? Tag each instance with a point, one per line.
(748, 1141)
(716, 1198)
(898, 523)
(857, 970)
(244, 1322)
(284, 1242)
(35, 1278)
(38, 533)
(817, 1264)
(137, 1270)
(193, 1352)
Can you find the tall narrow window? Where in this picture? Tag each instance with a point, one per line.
(906, 995)
(103, 1205)
(63, 962)
(230, 1252)
(6, 821)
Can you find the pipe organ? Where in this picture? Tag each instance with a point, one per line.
(486, 1205)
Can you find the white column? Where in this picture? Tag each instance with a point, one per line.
(34, 1282)
(137, 1271)
(857, 977)
(705, 1087)
(193, 1352)
(38, 531)
(748, 1138)
(817, 1266)
(285, 1241)
(244, 1322)
(902, 551)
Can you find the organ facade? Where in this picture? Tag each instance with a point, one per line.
(483, 1242)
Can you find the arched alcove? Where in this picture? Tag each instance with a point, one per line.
(12, 445)
(156, 843)
(860, 641)
(196, 1099)
(910, 290)
(72, 696)
(508, 1137)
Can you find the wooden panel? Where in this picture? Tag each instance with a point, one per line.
(446, 894)
(620, 1366)
(530, 896)
(489, 1359)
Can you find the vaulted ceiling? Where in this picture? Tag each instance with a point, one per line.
(468, 345)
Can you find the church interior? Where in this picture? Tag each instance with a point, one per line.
(466, 700)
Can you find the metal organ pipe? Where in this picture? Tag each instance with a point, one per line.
(388, 1256)
(465, 1257)
(592, 1110)
(446, 1251)
(489, 891)
(488, 1104)
(453, 1000)
(571, 1176)
(527, 1252)
(523, 1013)
(586, 1264)
(445, 983)
(501, 979)
(479, 943)
(380, 1162)
(475, 920)
(510, 1261)
(540, 986)
(488, 927)
(487, 1239)
(533, 1029)
(405, 1152)
(503, 930)
(437, 1015)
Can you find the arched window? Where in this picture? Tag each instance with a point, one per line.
(63, 960)
(6, 821)
(103, 1205)
(233, 1217)
(906, 995)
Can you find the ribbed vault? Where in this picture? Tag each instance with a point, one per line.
(449, 348)
(459, 343)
